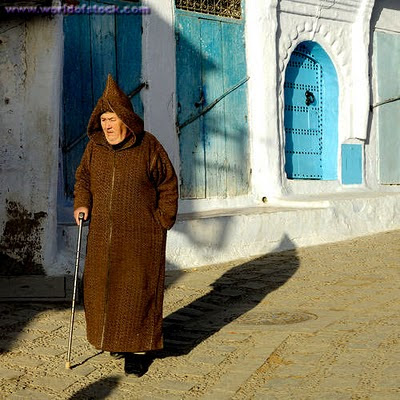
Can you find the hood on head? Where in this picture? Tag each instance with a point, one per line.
(115, 100)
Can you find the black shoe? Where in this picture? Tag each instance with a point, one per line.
(137, 364)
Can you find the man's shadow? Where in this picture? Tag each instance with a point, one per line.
(235, 293)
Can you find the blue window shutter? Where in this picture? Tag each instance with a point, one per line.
(351, 164)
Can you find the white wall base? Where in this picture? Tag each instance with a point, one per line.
(212, 237)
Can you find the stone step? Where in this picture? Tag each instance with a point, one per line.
(36, 288)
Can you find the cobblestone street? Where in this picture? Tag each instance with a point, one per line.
(314, 323)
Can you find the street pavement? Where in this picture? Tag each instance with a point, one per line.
(313, 323)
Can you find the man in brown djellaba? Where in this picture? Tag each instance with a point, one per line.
(127, 185)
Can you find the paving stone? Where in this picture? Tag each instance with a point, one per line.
(55, 382)
(370, 345)
(83, 370)
(193, 370)
(6, 373)
(79, 331)
(179, 318)
(202, 305)
(384, 395)
(218, 394)
(348, 368)
(279, 383)
(392, 371)
(24, 361)
(389, 383)
(8, 344)
(268, 395)
(223, 348)
(295, 370)
(27, 394)
(208, 359)
(8, 322)
(254, 285)
(192, 312)
(339, 382)
(47, 351)
(175, 385)
(331, 395)
(161, 396)
(233, 380)
(19, 336)
(232, 336)
(301, 358)
(47, 326)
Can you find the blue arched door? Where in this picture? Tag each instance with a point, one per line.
(310, 114)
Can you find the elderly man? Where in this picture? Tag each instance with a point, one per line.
(127, 185)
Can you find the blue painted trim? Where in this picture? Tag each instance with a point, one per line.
(352, 164)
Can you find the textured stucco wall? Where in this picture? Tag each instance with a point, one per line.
(30, 65)
(331, 24)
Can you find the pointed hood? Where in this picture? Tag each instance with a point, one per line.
(115, 100)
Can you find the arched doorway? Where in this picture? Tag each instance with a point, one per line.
(311, 114)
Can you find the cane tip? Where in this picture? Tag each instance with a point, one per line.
(67, 365)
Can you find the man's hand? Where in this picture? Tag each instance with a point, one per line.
(84, 210)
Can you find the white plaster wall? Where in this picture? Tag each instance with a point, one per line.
(159, 70)
(207, 239)
(12, 72)
(254, 232)
(30, 70)
(331, 24)
(265, 142)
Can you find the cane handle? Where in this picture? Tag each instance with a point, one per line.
(81, 215)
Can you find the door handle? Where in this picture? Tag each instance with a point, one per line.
(310, 98)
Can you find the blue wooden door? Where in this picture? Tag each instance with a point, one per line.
(211, 76)
(303, 116)
(387, 59)
(94, 46)
(311, 114)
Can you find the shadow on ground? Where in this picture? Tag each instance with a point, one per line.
(235, 293)
(98, 390)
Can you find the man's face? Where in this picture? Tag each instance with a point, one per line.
(114, 129)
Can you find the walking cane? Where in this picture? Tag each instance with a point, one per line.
(71, 326)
